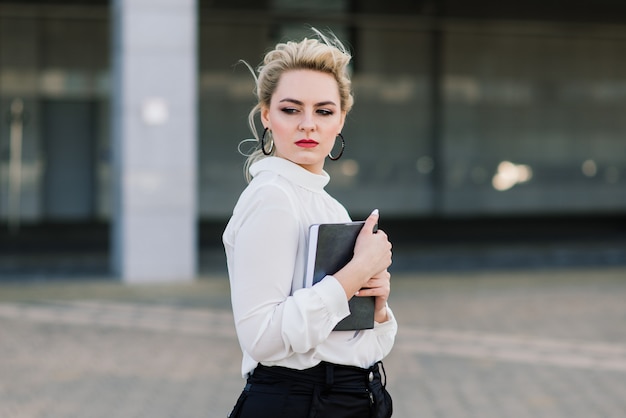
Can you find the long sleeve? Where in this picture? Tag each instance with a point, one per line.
(278, 322)
(271, 323)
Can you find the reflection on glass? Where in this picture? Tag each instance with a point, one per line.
(349, 168)
(343, 173)
(510, 174)
(590, 169)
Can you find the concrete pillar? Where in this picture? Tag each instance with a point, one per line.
(154, 102)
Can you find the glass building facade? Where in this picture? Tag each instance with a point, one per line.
(462, 108)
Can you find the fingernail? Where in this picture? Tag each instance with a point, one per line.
(375, 212)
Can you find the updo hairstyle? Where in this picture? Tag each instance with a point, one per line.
(323, 53)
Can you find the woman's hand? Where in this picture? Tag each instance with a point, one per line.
(372, 249)
(378, 286)
(372, 257)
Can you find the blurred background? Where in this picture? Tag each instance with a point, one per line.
(490, 134)
(487, 132)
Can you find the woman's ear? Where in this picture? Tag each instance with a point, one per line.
(343, 120)
(265, 117)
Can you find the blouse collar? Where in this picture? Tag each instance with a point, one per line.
(292, 172)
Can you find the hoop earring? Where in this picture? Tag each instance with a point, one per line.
(343, 146)
(263, 144)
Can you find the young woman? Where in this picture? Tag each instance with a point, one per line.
(295, 364)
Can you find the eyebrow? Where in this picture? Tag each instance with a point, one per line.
(299, 103)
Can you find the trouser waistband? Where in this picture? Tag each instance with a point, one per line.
(325, 374)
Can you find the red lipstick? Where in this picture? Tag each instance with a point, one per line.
(306, 143)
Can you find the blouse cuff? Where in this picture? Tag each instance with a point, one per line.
(333, 296)
(390, 325)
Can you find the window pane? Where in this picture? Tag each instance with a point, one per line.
(387, 162)
(533, 121)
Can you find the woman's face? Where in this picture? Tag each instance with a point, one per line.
(305, 117)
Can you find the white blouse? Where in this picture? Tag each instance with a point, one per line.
(278, 322)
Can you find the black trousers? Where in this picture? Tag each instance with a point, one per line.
(324, 391)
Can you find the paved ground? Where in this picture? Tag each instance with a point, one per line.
(534, 343)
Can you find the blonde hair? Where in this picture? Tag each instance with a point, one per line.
(323, 53)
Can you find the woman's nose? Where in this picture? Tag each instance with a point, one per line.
(307, 123)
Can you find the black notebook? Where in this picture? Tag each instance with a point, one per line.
(330, 247)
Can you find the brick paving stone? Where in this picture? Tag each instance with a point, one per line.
(519, 344)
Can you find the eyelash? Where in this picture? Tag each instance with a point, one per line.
(291, 111)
